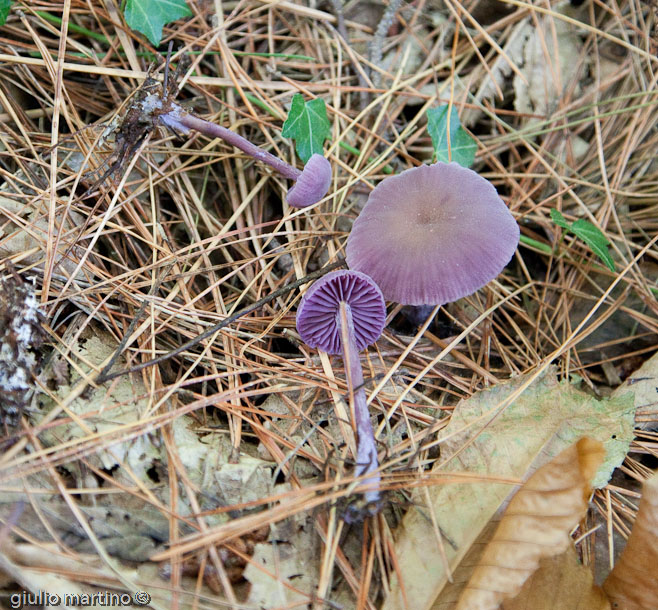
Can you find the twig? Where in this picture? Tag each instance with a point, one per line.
(377, 44)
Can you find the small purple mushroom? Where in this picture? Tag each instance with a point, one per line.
(342, 313)
(432, 234)
(311, 183)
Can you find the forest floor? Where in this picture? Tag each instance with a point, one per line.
(219, 476)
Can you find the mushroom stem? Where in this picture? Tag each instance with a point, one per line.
(177, 117)
(366, 448)
(343, 313)
(311, 184)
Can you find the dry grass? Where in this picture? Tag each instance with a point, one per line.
(192, 231)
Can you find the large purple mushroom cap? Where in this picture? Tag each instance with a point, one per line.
(312, 184)
(432, 234)
(319, 311)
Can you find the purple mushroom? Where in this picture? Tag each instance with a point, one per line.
(311, 183)
(432, 234)
(342, 313)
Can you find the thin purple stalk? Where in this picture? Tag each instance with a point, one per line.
(366, 448)
(188, 121)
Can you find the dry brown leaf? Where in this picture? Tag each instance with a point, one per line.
(24, 231)
(536, 524)
(54, 583)
(560, 582)
(546, 418)
(633, 583)
(46, 568)
(550, 64)
(642, 383)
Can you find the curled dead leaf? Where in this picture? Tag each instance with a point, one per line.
(560, 582)
(633, 583)
(547, 417)
(536, 524)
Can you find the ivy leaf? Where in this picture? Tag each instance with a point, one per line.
(308, 125)
(5, 6)
(149, 16)
(461, 147)
(589, 233)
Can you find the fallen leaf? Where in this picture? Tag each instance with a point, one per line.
(633, 583)
(283, 574)
(24, 231)
(644, 385)
(56, 586)
(540, 422)
(560, 582)
(550, 64)
(500, 70)
(44, 566)
(103, 410)
(535, 525)
(249, 480)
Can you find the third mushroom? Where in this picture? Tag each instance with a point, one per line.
(343, 313)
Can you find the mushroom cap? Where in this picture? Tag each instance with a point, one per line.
(312, 184)
(432, 234)
(319, 311)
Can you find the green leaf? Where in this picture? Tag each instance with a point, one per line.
(308, 125)
(559, 219)
(533, 243)
(5, 5)
(594, 238)
(149, 16)
(589, 233)
(462, 147)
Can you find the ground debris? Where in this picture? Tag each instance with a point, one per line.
(21, 335)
